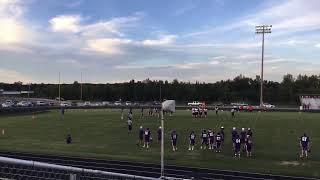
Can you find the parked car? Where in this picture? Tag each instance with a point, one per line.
(117, 103)
(7, 105)
(24, 104)
(128, 103)
(106, 103)
(51, 103)
(267, 105)
(41, 103)
(87, 103)
(194, 103)
(65, 104)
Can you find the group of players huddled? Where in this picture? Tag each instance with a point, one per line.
(241, 141)
(199, 112)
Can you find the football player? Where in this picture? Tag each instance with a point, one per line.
(141, 132)
(200, 112)
(196, 112)
(305, 145)
(234, 134)
(174, 139)
(243, 135)
(249, 132)
(218, 142)
(192, 141)
(217, 110)
(249, 144)
(222, 135)
(147, 135)
(237, 146)
(233, 112)
(204, 143)
(129, 125)
(205, 111)
(193, 112)
(142, 111)
(211, 139)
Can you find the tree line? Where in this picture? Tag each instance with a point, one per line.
(239, 89)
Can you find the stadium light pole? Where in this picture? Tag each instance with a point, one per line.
(81, 88)
(262, 29)
(162, 144)
(59, 89)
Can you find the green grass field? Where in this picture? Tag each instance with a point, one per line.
(102, 134)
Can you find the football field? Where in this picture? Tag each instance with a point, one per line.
(101, 133)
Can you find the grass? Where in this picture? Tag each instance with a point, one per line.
(102, 134)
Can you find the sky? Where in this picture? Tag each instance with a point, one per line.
(190, 40)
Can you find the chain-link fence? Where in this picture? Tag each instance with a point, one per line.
(26, 170)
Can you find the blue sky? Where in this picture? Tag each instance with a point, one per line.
(191, 40)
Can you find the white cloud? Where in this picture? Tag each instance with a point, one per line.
(11, 8)
(317, 45)
(76, 24)
(164, 40)
(12, 27)
(66, 23)
(107, 45)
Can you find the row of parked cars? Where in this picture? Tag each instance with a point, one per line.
(12, 103)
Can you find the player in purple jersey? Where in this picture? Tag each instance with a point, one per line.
(204, 137)
(159, 134)
(218, 142)
(237, 146)
(211, 139)
(192, 141)
(147, 135)
(305, 145)
(234, 134)
(222, 135)
(249, 132)
(243, 135)
(249, 145)
(174, 139)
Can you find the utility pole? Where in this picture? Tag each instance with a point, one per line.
(59, 90)
(263, 29)
(81, 88)
(160, 92)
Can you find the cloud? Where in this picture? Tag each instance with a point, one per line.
(12, 27)
(107, 46)
(76, 24)
(164, 40)
(317, 45)
(66, 23)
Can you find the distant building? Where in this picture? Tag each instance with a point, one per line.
(6, 93)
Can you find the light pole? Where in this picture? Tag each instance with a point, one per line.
(59, 90)
(262, 30)
(81, 88)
